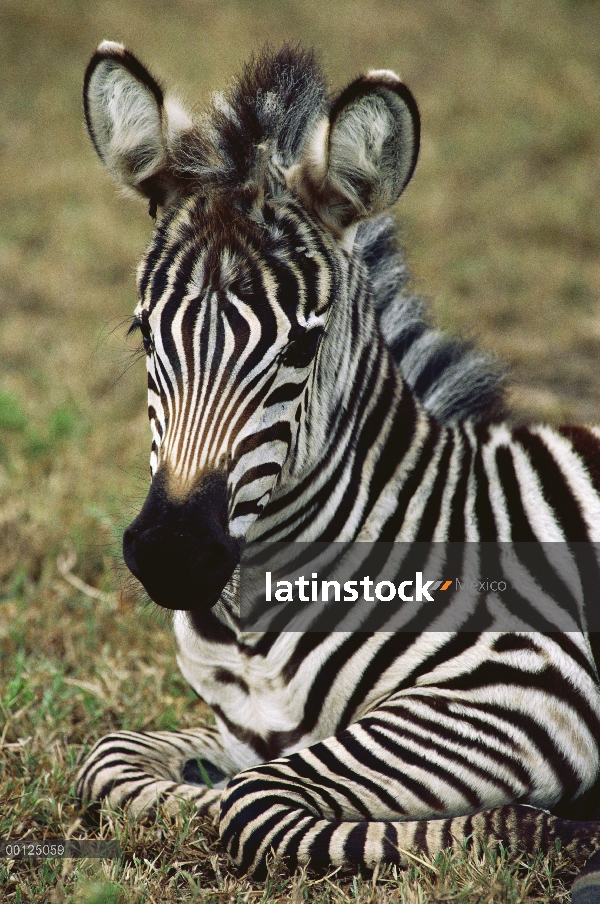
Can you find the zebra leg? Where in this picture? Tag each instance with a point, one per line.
(290, 829)
(141, 770)
(391, 782)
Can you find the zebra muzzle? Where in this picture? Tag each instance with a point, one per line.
(180, 549)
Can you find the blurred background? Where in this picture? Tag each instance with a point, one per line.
(502, 227)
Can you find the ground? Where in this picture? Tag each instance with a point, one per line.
(502, 225)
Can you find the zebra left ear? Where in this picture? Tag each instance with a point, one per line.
(361, 158)
(131, 125)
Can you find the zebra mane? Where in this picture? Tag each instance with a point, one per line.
(270, 110)
(452, 379)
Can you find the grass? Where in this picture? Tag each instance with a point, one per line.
(502, 222)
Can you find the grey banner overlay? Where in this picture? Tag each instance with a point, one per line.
(71, 848)
(406, 587)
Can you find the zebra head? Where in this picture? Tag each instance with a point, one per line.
(259, 202)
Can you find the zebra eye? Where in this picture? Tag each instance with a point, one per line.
(301, 351)
(142, 324)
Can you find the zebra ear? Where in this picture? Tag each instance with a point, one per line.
(129, 122)
(362, 157)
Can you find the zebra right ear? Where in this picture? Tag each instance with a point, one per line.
(130, 124)
(362, 156)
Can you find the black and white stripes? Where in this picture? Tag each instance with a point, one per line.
(297, 392)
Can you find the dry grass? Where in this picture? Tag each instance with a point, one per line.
(503, 226)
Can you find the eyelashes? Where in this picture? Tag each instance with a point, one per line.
(142, 324)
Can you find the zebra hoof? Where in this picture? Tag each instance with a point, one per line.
(197, 771)
(586, 888)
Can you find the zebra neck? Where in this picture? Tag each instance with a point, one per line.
(359, 437)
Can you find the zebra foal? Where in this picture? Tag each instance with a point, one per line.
(295, 393)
